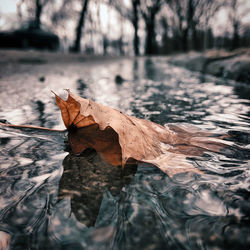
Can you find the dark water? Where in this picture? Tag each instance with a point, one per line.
(51, 199)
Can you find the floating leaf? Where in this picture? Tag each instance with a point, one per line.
(119, 138)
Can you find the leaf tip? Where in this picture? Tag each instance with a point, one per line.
(52, 92)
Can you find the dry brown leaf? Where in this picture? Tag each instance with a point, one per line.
(121, 139)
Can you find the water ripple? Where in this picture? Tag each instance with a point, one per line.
(50, 199)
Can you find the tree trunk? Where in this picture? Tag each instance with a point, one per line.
(149, 19)
(185, 40)
(38, 13)
(195, 43)
(150, 38)
(105, 44)
(120, 46)
(135, 24)
(77, 44)
(120, 41)
(236, 37)
(190, 16)
(150, 35)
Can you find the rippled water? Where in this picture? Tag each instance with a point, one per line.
(51, 199)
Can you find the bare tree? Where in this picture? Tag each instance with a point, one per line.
(63, 12)
(234, 16)
(238, 9)
(131, 14)
(39, 9)
(80, 25)
(124, 14)
(149, 10)
(135, 21)
(245, 36)
(208, 11)
(35, 9)
(191, 15)
(183, 9)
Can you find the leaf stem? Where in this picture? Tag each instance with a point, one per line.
(30, 126)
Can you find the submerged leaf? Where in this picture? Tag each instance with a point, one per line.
(121, 139)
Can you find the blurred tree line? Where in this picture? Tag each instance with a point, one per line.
(156, 26)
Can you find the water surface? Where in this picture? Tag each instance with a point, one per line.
(51, 199)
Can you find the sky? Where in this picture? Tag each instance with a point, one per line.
(8, 6)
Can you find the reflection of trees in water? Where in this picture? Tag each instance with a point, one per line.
(81, 86)
(135, 69)
(40, 108)
(86, 178)
(150, 70)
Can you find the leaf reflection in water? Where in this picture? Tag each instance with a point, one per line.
(86, 178)
(45, 208)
